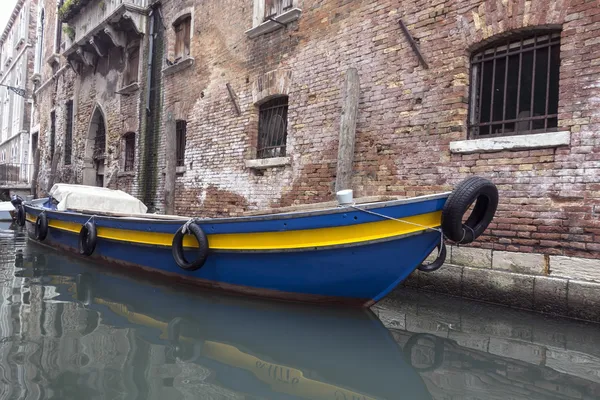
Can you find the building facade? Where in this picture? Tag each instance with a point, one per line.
(17, 47)
(249, 94)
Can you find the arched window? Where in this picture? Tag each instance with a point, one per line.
(515, 86)
(272, 127)
(129, 139)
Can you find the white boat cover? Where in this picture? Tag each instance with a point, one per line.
(6, 206)
(95, 199)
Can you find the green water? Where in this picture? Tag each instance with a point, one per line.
(72, 329)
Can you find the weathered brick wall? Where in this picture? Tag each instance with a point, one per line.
(408, 115)
(90, 88)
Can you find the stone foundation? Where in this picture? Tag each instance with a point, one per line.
(556, 285)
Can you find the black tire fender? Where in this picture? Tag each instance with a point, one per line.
(20, 215)
(480, 191)
(202, 251)
(438, 262)
(88, 237)
(41, 226)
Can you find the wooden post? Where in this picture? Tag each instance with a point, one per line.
(347, 130)
(171, 164)
(55, 157)
(36, 172)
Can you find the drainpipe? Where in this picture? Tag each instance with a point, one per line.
(150, 55)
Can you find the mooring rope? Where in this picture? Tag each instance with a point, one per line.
(442, 237)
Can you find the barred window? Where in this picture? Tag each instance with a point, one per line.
(275, 7)
(515, 86)
(129, 151)
(181, 132)
(272, 128)
(69, 133)
(52, 133)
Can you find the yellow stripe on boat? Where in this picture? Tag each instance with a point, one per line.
(296, 239)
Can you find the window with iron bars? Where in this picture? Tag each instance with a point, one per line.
(272, 128)
(129, 151)
(276, 7)
(515, 86)
(52, 133)
(100, 140)
(180, 133)
(69, 133)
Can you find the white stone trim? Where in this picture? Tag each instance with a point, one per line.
(270, 26)
(517, 142)
(264, 163)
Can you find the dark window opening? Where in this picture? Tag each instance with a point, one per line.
(59, 25)
(182, 37)
(133, 64)
(515, 86)
(181, 132)
(100, 140)
(276, 7)
(52, 133)
(129, 151)
(272, 128)
(69, 133)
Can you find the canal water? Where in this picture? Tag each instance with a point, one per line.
(71, 329)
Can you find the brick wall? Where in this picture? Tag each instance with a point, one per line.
(408, 115)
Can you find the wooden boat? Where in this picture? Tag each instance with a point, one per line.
(353, 253)
(6, 211)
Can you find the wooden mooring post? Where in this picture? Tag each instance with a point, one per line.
(345, 160)
(36, 172)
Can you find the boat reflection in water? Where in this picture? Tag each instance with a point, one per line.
(117, 337)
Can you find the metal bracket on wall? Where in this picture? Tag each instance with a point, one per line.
(277, 22)
(413, 44)
(18, 91)
(233, 100)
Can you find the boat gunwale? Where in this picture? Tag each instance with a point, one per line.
(156, 218)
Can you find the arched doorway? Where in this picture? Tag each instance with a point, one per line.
(95, 150)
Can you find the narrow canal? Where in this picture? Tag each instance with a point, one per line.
(73, 330)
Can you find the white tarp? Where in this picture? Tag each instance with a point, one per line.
(95, 199)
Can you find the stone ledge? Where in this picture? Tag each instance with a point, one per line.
(581, 269)
(264, 163)
(523, 263)
(125, 174)
(471, 257)
(131, 88)
(517, 142)
(179, 66)
(270, 26)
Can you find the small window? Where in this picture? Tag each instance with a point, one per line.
(182, 36)
(69, 133)
(272, 128)
(181, 132)
(515, 86)
(52, 133)
(132, 67)
(275, 7)
(100, 140)
(129, 151)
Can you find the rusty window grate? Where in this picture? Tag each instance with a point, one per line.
(180, 133)
(129, 151)
(69, 133)
(515, 86)
(100, 140)
(52, 133)
(275, 7)
(272, 128)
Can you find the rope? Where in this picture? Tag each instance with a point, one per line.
(91, 219)
(186, 226)
(405, 222)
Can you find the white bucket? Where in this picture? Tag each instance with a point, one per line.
(344, 197)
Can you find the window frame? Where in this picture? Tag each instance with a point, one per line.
(129, 140)
(69, 116)
(511, 46)
(271, 107)
(132, 74)
(180, 141)
(182, 28)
